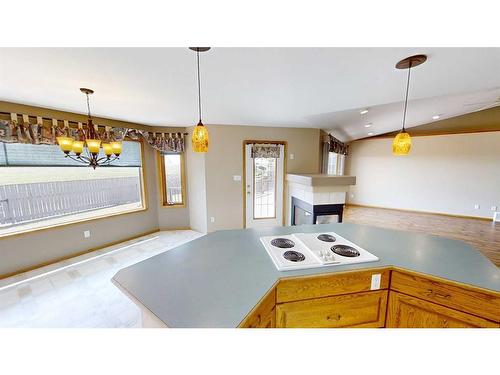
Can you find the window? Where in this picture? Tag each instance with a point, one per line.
(264, 188)
(335, 163)
(172, 179)
(39, 187)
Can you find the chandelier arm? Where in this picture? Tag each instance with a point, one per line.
(78, 158)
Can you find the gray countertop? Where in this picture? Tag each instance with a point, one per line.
(215, 280)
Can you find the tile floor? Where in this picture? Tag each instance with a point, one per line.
(78, 292)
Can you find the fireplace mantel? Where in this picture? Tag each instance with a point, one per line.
(321, 179)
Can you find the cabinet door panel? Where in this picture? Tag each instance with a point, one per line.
(263, 315)
(350, 310)
(409, 312)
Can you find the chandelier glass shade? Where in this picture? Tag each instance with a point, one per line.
(87, 151)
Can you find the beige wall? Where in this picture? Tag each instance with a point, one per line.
(224, 196)
(445, 174)
(31, 249)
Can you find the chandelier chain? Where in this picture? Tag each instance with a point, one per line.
(88, 104)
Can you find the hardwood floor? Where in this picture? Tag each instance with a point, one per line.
(481, 234)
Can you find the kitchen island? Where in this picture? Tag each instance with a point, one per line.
(227, 279)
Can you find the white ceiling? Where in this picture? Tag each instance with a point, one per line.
(293, 87)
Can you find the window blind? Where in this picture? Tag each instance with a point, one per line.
(24, 154)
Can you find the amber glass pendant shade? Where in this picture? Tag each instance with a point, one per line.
(65, 143)
(78, 147)
(93, 145)
(401, 144)
(200, 138)
(117, 148)
(108, 150)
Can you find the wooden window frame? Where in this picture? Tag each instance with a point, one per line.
(163, 181)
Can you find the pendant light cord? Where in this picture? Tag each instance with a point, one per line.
(199, 86)
(406, 98)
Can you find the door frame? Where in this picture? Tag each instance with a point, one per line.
(244, 175)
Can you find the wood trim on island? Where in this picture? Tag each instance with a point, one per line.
(404, 299)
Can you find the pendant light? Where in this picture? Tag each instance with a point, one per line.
(200, 133)
(402, 142)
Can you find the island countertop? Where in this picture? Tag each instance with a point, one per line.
(216, 280)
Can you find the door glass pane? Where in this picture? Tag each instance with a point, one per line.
(332, 163)
(264, 188)
(173, 177)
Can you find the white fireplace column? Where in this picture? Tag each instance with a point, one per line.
(317, 189)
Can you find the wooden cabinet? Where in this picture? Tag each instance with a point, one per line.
(350, 310)
(346, 299)
(263, 315)
(474, 301)
(405, 311)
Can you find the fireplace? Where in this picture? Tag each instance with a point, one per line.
(307, 213)
(316, 198)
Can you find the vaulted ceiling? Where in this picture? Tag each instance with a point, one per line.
(290, 87)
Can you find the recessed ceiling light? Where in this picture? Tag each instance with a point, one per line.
(370, 133)
(436, 117)
(368, 125)
(363, 111)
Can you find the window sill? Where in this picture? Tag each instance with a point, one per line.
(63, 221)
(183, 205)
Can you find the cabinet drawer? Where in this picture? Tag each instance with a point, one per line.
(299, 288)
(410, 312)
(350, 310)
(471, 300)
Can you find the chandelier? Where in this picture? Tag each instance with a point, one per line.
(200, 133)
(401, 144)
(86, 149)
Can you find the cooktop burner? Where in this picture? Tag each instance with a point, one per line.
(283, 243)
(293, 256)
(345, 250)
(326, 238)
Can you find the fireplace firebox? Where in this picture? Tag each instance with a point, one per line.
(306, 213)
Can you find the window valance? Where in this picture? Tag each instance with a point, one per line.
(265, 151)
(334, 145)
(40, 132)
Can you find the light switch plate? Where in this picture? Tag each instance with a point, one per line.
(236, 178)
(292, 156)
(86, 234)
(376, 281)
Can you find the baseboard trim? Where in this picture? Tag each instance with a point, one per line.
(422, 212)
(84, 252)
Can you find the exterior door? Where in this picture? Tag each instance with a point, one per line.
(264, 188)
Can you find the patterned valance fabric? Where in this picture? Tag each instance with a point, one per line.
(265, 151)
(337, 146)
(163, 142)
(14, 131)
